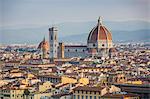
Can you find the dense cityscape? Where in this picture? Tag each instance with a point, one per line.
(54, 70)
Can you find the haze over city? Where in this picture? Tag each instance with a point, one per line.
(74, 49)
(39, 12)
(20, 17)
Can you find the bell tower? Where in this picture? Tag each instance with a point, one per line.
(53, 41)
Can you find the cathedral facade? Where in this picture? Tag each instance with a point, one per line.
(99, 44)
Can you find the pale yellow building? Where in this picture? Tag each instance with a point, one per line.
(11, 93)
(65, 79)
(120, 96)
(45, 91)
(82, 81)
(40, 95)
(86, 92)
(45, 86)
(94, 69)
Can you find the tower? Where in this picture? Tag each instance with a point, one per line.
(53, 41)
(61, 49)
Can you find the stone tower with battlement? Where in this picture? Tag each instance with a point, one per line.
(53, 41)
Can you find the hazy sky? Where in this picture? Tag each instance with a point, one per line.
(42, 12)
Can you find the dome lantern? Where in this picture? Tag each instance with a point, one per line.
(100, 20)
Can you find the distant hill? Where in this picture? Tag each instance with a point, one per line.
(118, 36)
(77, 32)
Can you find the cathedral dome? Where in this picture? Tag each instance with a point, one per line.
(44, 45)
(99, 32)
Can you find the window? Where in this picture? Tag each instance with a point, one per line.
(86, 92)
(99, 97)
(90, 97)
(68, 50)
(86, 97)
(103, 45)
(74, 96)
(76, 50)
(49, 79)
(78, 96)
(93, 45)
(83, 50)
(82, 97)
(51, 37)
(82, 92)
(94, 97)
(78, 91)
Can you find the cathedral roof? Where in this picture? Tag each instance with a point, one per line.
(44, 45)
(99, 32)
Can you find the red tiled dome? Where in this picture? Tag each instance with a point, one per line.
(99, 32)
(44, 45)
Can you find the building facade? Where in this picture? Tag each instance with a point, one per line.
(99, 43)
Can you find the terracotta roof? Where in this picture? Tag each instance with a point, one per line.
(119, 95)
(99, 32)
(102, 67)
(62, 85)
(51, 76)
(60, 95)
(13, 62)
(113, 50)
(44, 45)
(87, 88)
(75, 46)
